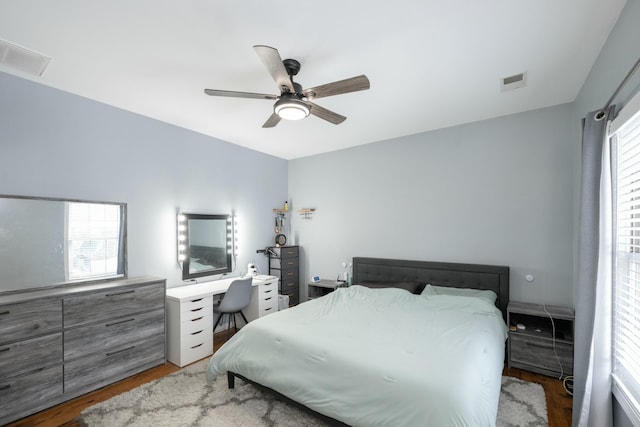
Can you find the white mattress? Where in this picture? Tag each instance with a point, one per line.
(382, 357)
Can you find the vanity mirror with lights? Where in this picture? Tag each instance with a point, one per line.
(206, 244)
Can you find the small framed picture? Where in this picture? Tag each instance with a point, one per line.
(315, 279)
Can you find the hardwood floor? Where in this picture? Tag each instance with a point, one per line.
(559, 403)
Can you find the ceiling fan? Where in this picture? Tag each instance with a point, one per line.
(294, 103)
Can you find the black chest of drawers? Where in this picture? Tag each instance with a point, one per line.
(284, 264)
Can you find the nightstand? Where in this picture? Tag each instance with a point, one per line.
(540, 338)
(321, 288)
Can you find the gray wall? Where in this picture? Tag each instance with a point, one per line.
(494, 192)
(55, 144)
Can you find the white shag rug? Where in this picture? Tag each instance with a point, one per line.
(184, 398)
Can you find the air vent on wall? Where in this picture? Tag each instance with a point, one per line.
(21, 59)
(513, 82)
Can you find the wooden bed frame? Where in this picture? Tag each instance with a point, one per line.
(393, 271)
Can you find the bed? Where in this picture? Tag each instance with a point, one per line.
(411, 343)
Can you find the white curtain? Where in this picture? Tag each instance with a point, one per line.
(592, 405)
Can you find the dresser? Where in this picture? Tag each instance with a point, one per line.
(59, 343)
(190, 315)
(284, 264)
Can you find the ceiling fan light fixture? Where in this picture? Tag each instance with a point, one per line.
(291, 108)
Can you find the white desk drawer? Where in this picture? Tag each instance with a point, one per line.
(195, 353)
(202, 305)
(197, 338)
(201, 323)
(267, 310)
(268, 288)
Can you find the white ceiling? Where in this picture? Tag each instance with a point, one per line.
(431, 63)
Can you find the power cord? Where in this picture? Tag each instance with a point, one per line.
(553, 340)
(567, 383)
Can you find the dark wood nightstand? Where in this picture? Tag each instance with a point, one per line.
(540, 338)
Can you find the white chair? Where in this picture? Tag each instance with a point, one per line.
(237, 297)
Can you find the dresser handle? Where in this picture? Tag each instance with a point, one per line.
(196, 319)
(5, 387)
(196, 333)
(2, 350)
(120, 351)
(122, 321)
(267, 299)
(197, 309)
(196, 300)
(196, 346)
(268, 290)
(120, 293)
(267, 309)
(5, 312)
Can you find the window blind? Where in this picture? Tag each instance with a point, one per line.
(626, 288)
(93, 240)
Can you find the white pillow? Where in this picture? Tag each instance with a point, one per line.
(466, 292)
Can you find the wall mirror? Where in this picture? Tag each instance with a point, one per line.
(204, 244)
(49, 242)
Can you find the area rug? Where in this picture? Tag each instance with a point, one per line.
(184, 398)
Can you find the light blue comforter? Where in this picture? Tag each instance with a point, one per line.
(380, 357)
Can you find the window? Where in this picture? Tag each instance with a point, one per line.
(626, 286)
(93, 240)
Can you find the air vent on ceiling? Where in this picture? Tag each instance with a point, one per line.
(513, 82)
(21, 59)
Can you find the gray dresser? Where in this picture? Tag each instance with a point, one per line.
(284, 264)
(59, 343)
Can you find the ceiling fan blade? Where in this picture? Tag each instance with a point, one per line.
(325, 114)
(353, 84)
(234, 94)
(272, 60)
(272, 121)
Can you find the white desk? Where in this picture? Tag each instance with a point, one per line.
(190, 315)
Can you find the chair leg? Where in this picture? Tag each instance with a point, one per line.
(244, 318)
(217, 321)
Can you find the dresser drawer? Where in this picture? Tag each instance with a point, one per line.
(99, 369)
(29, 393)
(539, 353)
(288, 274)
(290, 286)
(282, 263)
(29, 319)
(286, 251)
(114, 303)
(30, 355)
(101, 337)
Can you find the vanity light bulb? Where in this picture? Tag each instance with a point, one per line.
(182, 238)
(181, 218)
(181, 257)
(181, 227)
(182, 247)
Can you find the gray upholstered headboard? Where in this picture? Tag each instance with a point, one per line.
(478, 276)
